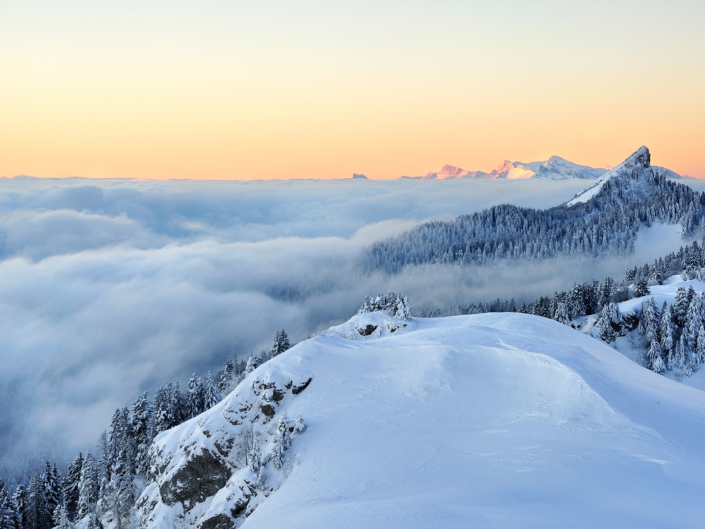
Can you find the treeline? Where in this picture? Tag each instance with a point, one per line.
(672, 338)
(106, 486)
(607, 224)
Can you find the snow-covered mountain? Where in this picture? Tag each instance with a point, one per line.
(495, 420)
(555, 168)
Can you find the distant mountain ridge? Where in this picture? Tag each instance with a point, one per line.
(604, 219)
(555, 168)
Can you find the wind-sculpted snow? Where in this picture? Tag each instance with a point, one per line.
(602, 220)
(496, 420)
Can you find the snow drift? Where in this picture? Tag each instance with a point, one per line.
(494, 420)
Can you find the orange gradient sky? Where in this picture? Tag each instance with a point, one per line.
(263, 90)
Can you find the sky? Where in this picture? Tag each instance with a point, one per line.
(312, 89)
(109, 288)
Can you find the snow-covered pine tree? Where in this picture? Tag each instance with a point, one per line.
(653, 356)
(667, 332)
(178, 406)
(639, 288)
(19, 499)
(37, 515)
(402, 310)
(102, 463)
(142, 432)
(277, 452)
(658, 366)
(52, 488)
(250, 366)
(676, 360)
(695, 318)
(280, 343)
(163, 409)
(87, 487)
(211, 395)
(123, 478)
(62, 519)
(680, 307)
(698, 355)
(609, 323)
(366, 306)
(576, 304)
(562, 315)
(9, 517)
(283, 433)
(194, 397)
(228, 374)
(70, 486)
(649, 323)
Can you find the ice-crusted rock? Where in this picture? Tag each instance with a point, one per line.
(201, 478)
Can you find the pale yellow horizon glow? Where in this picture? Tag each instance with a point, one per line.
(323, 90)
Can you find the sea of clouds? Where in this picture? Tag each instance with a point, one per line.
(110, 288)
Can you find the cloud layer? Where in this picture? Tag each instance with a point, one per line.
(110, 288)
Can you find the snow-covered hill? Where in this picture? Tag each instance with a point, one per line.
(495, 420)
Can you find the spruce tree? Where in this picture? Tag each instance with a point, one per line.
(562, 315)
(667, 332)
(52, 488)
(37, 515)
(9, 516)
(680, 307)
(142, 431)
(87, 488)
(19, 499)
(211, 395)
(283, 433)
(194, 397)
(653, 356)
(163, 409)
(62, 519)
(70, 486)
(178, 405)
(277, 452)
(280, 343)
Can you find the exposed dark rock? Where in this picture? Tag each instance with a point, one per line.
(219, 521)
(299, 389)
(268, 410)
(201, 477)
(367, 330)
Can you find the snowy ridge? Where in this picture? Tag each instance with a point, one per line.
(493, 420)
(557, 168)
(638, 162)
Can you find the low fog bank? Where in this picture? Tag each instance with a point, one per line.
(90, 322)
(41, 218)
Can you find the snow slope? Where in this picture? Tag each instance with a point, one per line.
(493, 420)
